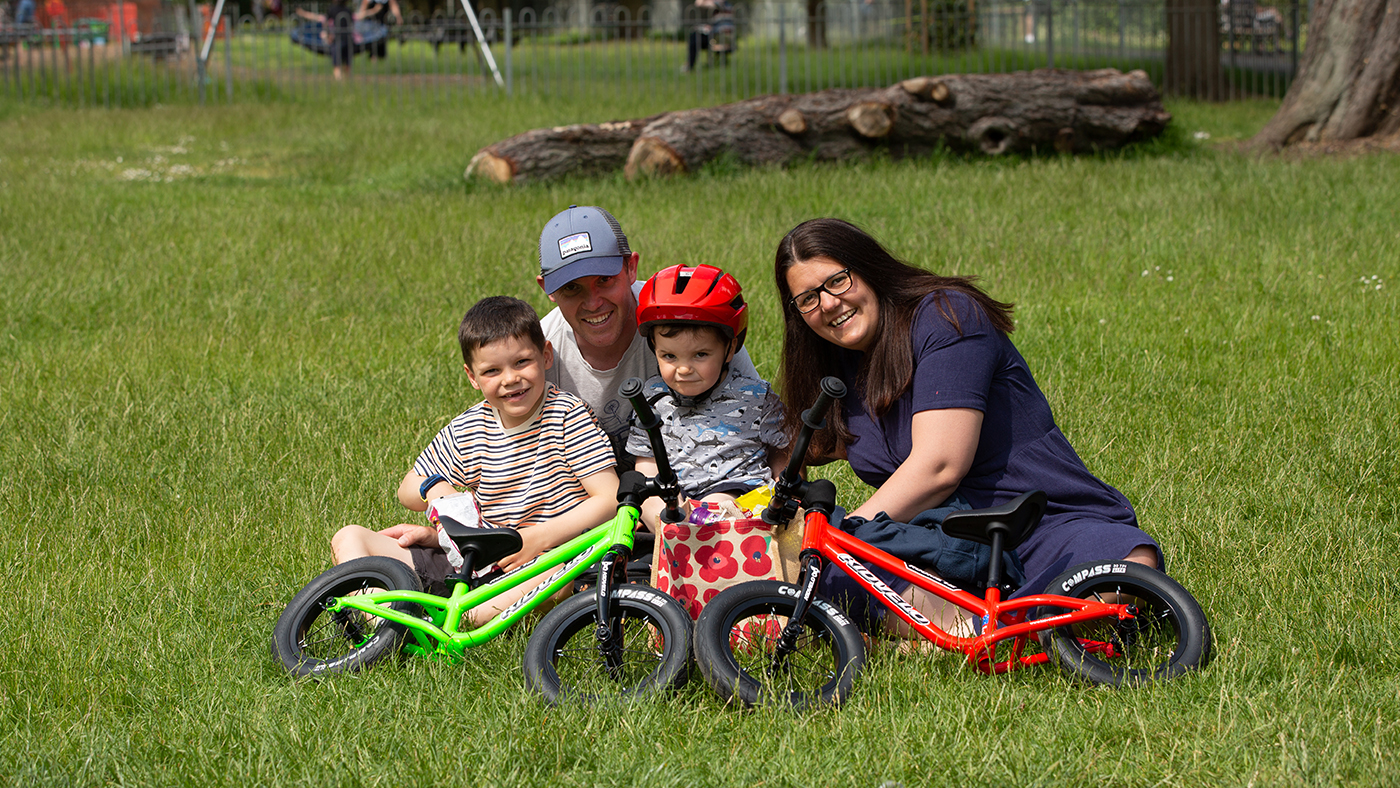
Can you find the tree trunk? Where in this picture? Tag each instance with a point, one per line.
(1066, 111)
(816, 24)
(1348, 83)
(1193, 50)
(545, 154)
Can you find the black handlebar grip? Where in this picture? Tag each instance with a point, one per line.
(821, 497)
(833, 387)
(631, 483)
(630, 388)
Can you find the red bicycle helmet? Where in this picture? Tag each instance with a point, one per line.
(703, 295)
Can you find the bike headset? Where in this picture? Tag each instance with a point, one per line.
(702, 295)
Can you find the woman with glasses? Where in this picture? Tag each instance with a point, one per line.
(942, 410)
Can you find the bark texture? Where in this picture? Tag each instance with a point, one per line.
(1348, 82)
(545, 154)
(1193, 50)
(1067, 111)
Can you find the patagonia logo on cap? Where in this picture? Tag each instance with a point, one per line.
(574, 244)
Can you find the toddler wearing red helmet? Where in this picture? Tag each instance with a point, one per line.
(722, 429)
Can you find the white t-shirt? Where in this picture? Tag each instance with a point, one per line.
(598, 387)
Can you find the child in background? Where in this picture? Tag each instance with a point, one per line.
(338, 31)
(722, 430)
(532, 454)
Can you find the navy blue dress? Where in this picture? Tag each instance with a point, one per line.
(1020, 448)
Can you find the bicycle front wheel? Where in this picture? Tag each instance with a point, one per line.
(1167, 635)
(309, 640)
(563, 660)
(739, 629)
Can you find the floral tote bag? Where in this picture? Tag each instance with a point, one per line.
(696, 561)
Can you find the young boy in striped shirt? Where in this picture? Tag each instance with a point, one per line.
(532, 454)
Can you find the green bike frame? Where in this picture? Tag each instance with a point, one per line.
(439, 635)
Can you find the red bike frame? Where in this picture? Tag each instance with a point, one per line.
(1004, 620)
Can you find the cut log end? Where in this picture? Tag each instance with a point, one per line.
(871, 119)
(792, 122)
(491, 167)
(652, 157)
(927, 88)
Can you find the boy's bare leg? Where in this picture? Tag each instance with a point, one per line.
(651, 514)
(355, 541)
(489, 609)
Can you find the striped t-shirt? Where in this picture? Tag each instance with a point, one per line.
(524, 475)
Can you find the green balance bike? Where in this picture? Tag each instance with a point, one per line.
(619, 640)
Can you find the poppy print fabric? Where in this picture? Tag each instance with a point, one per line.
(696, 562)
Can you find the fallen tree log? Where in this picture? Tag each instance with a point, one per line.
(544, 154)
(992, 114)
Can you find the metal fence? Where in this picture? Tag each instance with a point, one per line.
(1249, 50)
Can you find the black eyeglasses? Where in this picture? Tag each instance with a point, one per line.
(836, 284)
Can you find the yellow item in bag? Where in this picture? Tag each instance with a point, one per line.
(756, 500)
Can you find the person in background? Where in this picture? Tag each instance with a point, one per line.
(24, 13)
(373, 17)
(721, 16)
(338, 31)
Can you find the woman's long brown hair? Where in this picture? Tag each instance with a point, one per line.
(888, 367)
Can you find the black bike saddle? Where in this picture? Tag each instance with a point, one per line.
(1015, 519)
(489, 544)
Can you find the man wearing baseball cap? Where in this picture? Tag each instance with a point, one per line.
(590, 273)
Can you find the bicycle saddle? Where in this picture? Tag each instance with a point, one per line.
(489, 544)
(1015, 519)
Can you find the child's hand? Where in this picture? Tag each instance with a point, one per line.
(534, 541)
(409, 535)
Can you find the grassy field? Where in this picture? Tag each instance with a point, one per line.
(225, 333)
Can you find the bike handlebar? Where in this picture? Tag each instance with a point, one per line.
(789, 489)
(667, 485)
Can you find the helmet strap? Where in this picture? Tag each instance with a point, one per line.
(696, 401)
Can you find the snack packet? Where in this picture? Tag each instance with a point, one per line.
(756, 500)
(462, 508)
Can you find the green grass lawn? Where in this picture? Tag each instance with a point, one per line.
(226, 332)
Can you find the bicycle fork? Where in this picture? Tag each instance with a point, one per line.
(811, 574)
(608, 631)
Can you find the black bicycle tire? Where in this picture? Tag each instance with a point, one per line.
(1166, 603)
(715, 656)
(289, 636)
(577, 616)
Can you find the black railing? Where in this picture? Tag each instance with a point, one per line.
(1227, 51)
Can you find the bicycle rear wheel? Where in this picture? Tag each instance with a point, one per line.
(311, 641)
(1167, 636)
(563, 660)
(739, 629)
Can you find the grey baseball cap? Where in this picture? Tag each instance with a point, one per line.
(581, 242)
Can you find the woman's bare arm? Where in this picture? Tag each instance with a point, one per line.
(943, 445)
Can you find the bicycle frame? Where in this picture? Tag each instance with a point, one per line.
(1003, 619)
(440, 635)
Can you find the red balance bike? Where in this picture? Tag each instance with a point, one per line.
(772, 643)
